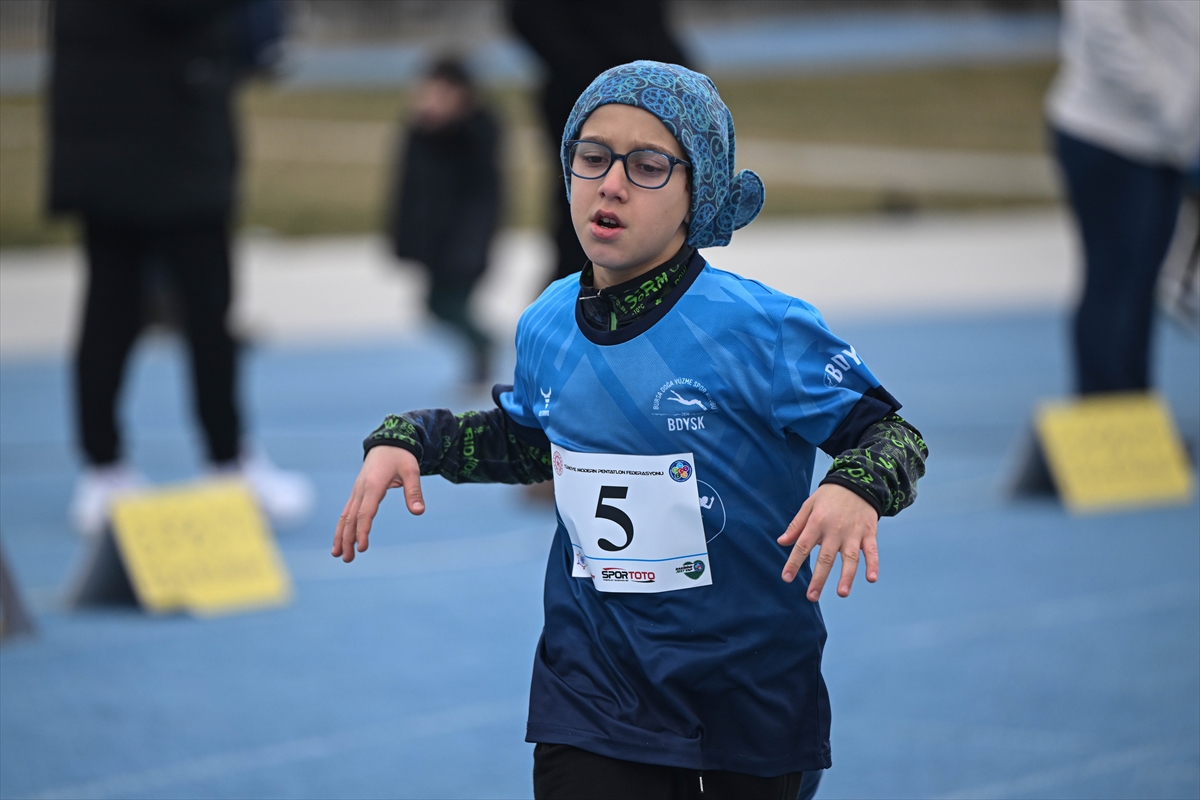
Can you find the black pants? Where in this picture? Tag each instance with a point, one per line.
(196, 256)
(1126, 214)
(450, 301)
(562, 772)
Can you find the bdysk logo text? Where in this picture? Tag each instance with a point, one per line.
(684, 402)
(839, 365)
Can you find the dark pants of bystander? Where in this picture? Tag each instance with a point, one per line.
(1126, 214)
(195, 254)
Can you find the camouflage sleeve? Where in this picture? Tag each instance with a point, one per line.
(473, 447)
(884, 466)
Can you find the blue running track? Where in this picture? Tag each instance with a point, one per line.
(1009, 649)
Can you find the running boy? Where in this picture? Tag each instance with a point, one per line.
(676, 407)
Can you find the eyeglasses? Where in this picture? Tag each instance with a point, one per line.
(648, 169)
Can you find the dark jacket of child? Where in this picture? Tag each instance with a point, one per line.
(446, 198)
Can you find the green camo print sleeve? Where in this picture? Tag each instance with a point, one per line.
(472, 447)
(884, 467)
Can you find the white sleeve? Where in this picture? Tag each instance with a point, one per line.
(1130, 76)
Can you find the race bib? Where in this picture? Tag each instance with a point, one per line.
(634, 521)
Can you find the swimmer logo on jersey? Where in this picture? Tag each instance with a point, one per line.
(680, 471)
(684, 402)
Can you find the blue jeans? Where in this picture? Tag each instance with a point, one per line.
(1126, 215)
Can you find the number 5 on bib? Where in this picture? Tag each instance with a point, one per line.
(634, 521)
(616, 515)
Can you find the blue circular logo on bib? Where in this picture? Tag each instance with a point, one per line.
(680, 471)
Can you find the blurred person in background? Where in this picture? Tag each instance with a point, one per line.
(575, 50)
(1179, 284)
(446, 199)
(143, 148)
(1125, 114)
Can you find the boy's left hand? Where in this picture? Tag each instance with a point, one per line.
(840, 522)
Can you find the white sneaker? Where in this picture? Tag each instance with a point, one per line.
(286, 497)
(95, 492)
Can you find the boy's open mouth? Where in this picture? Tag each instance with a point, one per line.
(606, 220)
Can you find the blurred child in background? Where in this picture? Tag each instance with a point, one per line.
(446, 198)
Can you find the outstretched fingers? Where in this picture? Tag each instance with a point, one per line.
(354, 524)
(340, 529)
(803, 546)
(821, 569)
(410, 478)
(348, 524)
(372, 496)
(836, 520)
(850, 558)
(870, 548)
(384, 468)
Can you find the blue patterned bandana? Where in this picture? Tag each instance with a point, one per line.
(688, 104)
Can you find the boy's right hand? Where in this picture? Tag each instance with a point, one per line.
(384, 468)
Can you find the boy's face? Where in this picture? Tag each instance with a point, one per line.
(649, 223)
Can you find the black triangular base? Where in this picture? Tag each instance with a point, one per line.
(103, 580)
(1033, 477)
(14, 619)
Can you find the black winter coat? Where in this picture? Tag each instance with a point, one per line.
(576, 47)
(140, 118)
(446, 197)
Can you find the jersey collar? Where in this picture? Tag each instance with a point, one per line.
(639, 303)
(619, 305)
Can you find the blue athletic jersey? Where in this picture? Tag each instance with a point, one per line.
(749, 380)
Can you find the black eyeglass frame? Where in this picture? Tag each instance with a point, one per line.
(622, 157)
